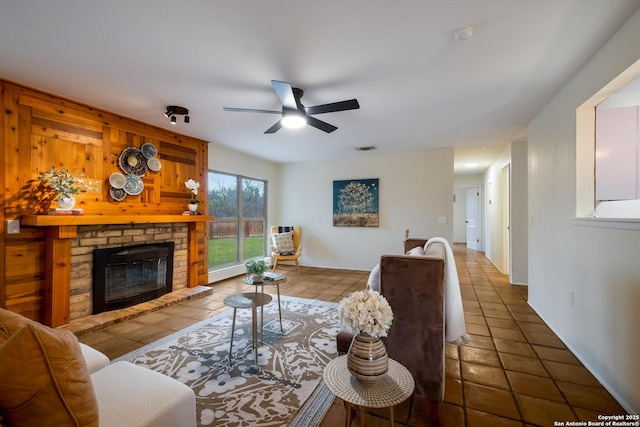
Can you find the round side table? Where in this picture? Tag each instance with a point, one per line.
(394, 388)
(251, 300)
(249, 281)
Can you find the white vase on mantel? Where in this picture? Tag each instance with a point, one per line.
(193, 207)
(66, 202)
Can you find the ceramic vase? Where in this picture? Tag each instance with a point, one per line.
(257, 278)
(193, 207)
(367, 358)
(66, 202)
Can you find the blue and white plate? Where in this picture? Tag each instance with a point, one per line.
(133, 185)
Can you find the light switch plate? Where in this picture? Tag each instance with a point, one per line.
(13, 226)
(442, 220)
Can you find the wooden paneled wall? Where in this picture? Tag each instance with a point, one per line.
(39, 130)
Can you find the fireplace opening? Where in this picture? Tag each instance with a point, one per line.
(126, 276)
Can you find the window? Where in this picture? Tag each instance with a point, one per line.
(238, 231)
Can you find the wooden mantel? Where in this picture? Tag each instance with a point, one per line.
(53, 220)
(60, 230)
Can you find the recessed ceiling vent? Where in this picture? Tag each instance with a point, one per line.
(369, 148)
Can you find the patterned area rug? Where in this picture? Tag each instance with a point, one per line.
(284, 388)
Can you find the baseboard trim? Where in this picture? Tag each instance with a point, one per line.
(589, 368)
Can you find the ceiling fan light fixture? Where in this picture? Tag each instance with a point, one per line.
(294, 114)
(294, 121)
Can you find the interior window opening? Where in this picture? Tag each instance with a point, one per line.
(608, 150)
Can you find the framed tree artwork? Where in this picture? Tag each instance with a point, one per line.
(355, 203)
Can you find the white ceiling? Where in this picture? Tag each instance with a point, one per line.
(417, 86)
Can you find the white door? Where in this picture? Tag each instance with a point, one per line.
(472, 218)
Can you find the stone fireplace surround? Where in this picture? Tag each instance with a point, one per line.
(91, 237)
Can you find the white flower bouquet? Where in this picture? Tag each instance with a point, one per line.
(366, 311)
(193, 186)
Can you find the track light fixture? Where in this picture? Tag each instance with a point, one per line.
(174, 110)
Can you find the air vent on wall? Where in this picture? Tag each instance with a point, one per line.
(369, 148)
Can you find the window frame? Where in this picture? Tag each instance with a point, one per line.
(239, 220)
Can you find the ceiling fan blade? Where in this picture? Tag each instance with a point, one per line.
(250, 110)
(319, 124)
(275, 128)
(351, 104)
(285, 93)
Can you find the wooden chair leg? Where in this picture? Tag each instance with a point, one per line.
(275, 264)
(297, 265)
(433, 412)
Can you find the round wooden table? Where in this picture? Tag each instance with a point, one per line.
(394, 388)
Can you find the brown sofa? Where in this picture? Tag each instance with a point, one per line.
(414, 287)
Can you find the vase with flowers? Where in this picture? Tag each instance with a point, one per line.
(193, 203)
(368, 314)
(64, 185)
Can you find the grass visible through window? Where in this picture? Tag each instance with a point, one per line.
(223, 251)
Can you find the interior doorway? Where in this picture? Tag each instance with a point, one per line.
(473, 234)
(467, 216)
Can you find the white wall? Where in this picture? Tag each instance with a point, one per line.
(415, 189)
(599, 265)
(461, 183)
(513, 156)
(494, 224)
(519, 214)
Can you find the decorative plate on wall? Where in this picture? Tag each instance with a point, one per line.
(132, 161)
(149, 150)
(118, 194)
(134, 185)
(117, 180)
(154, 164)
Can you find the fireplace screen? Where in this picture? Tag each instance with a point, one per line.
(131, 275)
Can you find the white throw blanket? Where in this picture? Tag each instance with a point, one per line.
(455, 330)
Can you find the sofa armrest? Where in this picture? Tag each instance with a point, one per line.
(93, 358)
(135, 396)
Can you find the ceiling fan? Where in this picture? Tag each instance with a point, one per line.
(294, 114)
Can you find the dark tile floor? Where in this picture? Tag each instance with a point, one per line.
(515, 371)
